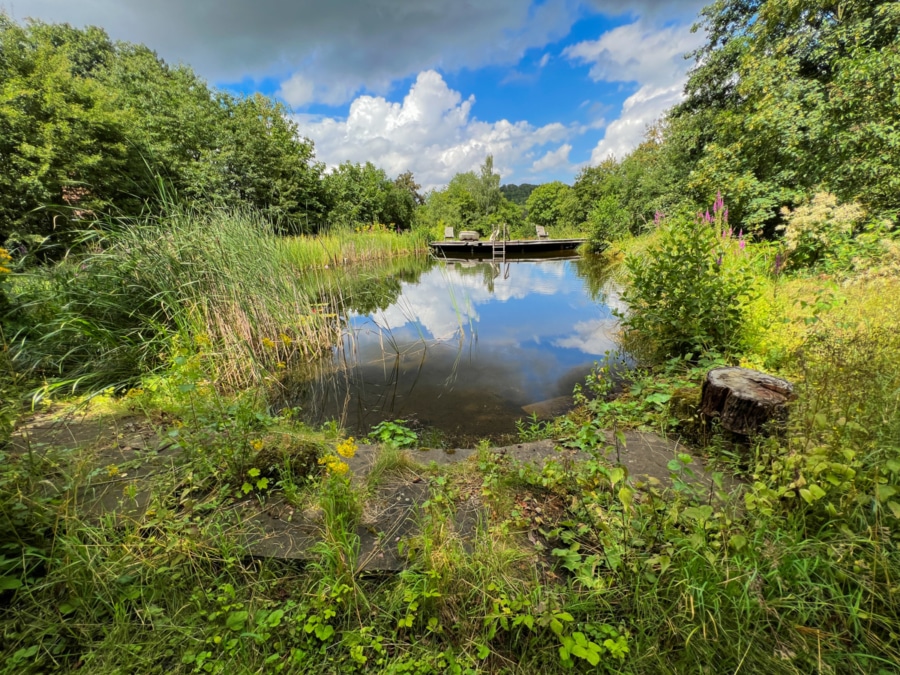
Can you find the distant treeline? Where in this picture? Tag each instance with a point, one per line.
(517, 194)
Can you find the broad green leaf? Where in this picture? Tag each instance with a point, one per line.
(237, 620)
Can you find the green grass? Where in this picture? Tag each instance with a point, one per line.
(346, 247)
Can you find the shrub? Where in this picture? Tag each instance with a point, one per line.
(607, 221)
(689, 292)
(828, 234)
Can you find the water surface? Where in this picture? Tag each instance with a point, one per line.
(461, 346)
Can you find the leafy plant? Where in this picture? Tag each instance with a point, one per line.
(688, 292)
(394, 433)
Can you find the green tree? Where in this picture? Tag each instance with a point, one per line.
(546, 204)
(487, 190)
(267, 164)
(363, 193)
(793, 97)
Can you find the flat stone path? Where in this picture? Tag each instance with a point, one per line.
(124, 463)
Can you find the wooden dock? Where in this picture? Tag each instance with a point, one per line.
(514, 247)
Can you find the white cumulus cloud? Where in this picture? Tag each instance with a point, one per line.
(554, 159)
(643, 53)
(432, 132)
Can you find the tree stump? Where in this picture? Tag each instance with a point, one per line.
(744, 399)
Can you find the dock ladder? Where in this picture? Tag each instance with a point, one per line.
(498, 240)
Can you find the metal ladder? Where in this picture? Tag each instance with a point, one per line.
(498, 243)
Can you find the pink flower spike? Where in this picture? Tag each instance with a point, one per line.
(726, 215)
(742, 244)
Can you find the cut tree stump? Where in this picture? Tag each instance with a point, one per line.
(744, 399)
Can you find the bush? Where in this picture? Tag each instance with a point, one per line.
(831, 235)
(689, 292)
(607, 221)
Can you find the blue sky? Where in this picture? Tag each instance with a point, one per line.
(431, 86)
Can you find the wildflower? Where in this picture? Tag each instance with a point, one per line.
(257, 444)
(5, 259)
(201, 340)
(778, 263)
(281, 365)
(347, 448)
(286, 339)
(267, 343)
(334, 465)
(112, 471)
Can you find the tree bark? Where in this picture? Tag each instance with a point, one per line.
(744, 399)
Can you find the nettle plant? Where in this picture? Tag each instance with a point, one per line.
(690, 291)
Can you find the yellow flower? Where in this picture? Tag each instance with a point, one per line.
(281, 365)
(112, 471)
(286, 339)
(201, 340)
(267, 343)
(334, 465)
(256, 445)
(347, 448)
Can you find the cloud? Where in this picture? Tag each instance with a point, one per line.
(431, 132)
(554, 159)
(593, 337)
(336, 48)
(297, 91)
(445, 303)
(638, 52)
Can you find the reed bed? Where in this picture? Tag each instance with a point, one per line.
(343, 247)
(214, 285)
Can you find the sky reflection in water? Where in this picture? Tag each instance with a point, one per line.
(465, 347)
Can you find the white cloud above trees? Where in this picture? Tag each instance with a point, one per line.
(432, 132)
(652, 57)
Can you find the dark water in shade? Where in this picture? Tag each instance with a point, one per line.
(461, 347)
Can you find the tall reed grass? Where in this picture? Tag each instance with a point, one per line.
(216, 283)
(341, 247)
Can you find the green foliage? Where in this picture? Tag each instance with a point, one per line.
(395, 433)
(215, 282)
(363, 194)
(794, 96)
(689, 293)
(546, 203)
(470, 202)
(831, 235)
(608, 221)
(517, 194)
(87, 126)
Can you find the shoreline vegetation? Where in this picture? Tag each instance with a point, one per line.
(139, 350)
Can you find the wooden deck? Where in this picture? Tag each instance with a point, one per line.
(514, 247)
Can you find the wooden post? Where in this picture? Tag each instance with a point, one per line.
(744, 399)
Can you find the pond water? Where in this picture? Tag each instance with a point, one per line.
(466, 347)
